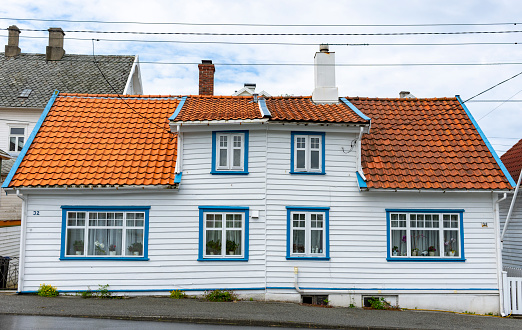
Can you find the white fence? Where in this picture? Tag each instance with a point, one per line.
(512, 282)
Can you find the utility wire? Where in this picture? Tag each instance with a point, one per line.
(282, 34)
(498, 106)
(121, 98)
(285, 43)
(256, 24)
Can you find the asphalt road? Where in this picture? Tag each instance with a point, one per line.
(244, 313)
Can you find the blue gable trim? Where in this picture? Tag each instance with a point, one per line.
(360, 181)
(483, 136)
(177, 178)
(27, 145)
(178, 108)
(264, 110)
(357, 111)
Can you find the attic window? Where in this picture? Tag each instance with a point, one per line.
(25, 92)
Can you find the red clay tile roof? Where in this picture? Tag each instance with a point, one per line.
(303, 109)
(512, 159)
(425, 144)
(209, 107)
(98, 140)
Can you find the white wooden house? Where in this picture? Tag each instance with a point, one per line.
(276, 198)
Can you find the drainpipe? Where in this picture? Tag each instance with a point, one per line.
(511, 207)
(325, 292)
(500, 282)
(21, 265)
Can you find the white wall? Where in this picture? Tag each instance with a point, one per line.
(511, 254)
(16, 118)
(10, 241)
(357, 230)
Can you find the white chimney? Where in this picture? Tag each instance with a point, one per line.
(324, 77)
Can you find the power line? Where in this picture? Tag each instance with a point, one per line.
(283, 34)
(286, 43)
(498, 106)
(256, 24)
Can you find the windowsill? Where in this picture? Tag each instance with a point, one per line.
(223, 259)
(312, 173)
(307, 258)
(426, 259)
(106, 258)
(229, 172)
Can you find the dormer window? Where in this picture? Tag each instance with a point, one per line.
(25, 93)
(230, 152)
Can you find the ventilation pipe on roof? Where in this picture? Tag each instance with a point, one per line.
(12, 49)
(206, 77)
(55, 51)
(325, 90)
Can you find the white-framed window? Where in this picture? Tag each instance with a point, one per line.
(230, 154)
(105, 233)
(16, 138)
(307, 232)
(224, 233)
(425, 234)
(307, 153)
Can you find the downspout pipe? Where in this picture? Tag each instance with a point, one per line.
(299, 290)
(511, 207)
(498, 250)
(21, 266)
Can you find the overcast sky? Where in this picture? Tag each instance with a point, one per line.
(356, 74)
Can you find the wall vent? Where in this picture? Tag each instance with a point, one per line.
(314, 299)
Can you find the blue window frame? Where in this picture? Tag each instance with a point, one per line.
(425, 235)
(307, 153)
(230, 152)
(307, 233)
(223, 233)
(105, 232)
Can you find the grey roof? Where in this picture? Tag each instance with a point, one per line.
(71, 74)
(4, 155)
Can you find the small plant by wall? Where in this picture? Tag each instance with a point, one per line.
(177, 294)
(220, 295)
(47, 290)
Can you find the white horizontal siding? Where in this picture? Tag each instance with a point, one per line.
(358, 239)
(10, 241)
(511, 254)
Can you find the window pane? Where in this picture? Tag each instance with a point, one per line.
(75, 244)
(451, 243)
(97, 242)
(213, 242)
(301, 142)
(12, 144)
(316, 241)
(17, 130)
(223, 157)
(299, 220)
(316, 220)
(314, 143)
(399, 244)
(426, 241)
(237, 158)
(300, 161)
(237, 141)
(233, 246)
(314, 159)
(223, 143)
(134, 239)
(20, 143)
(299, 241)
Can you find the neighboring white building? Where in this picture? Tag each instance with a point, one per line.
(28, 81)
(277, 198)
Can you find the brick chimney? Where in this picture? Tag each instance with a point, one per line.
(55, 51)
(12, 49)
(206, 77)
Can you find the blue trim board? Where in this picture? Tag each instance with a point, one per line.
(486, 141)
(357, 111)
(389, 257)
(237, 209)
(94, 208)
(177, 177)
(284, 288)
(292, 151)
(178, 108)
(29, 141)
(264, 109)
(213, 169)
(360, 181)
(326, 210)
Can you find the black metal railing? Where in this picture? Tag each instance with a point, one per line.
(9, 273)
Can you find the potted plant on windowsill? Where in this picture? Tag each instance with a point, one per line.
(78, 247)
(135, 248)
(231, 247)
(395, 250)
(99, 248)
(214, 247)
(431, 251)
(414, 252)
(112, 250)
